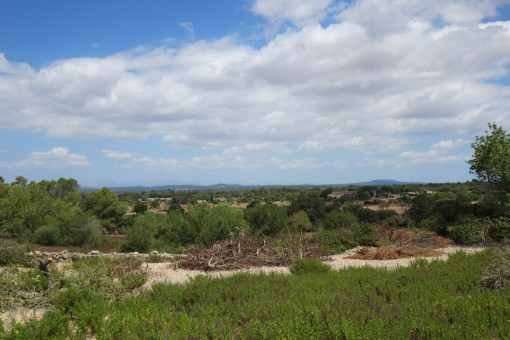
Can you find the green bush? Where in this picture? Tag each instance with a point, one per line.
(140, 239)
(134, 280)
(85, 231)
(47, 235)
(481, 230)
(497, 274)
(309, 266)
(335, 241)
(12, 252)
(34, 279)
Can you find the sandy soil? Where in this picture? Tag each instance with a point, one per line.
(164, 272)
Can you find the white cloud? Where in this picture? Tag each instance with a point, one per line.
(385, 72)
(267, 147)
(437, 154)
(311, 163)
(446, 145)
(58, 157)
(188, 26)
(299, 12)
(214, 162)
(116, 154)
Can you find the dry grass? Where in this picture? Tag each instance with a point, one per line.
(397, 207)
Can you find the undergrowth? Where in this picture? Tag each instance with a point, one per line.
(436, 300)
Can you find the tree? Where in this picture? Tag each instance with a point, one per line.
(140, 207)
(105, 205)
(311, 204)
(299, 222)
(268, 219)
(222, 222)
(491, 157)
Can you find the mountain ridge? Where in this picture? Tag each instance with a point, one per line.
(223, 186)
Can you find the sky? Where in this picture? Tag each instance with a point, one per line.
(254, 92)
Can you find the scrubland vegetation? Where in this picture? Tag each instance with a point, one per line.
(464, 297)
(427, 300)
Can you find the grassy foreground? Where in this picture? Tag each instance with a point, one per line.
(427, 300)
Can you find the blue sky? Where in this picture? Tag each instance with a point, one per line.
(249, 92)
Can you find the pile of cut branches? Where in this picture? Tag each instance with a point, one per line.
(248, 251)
(397, 243)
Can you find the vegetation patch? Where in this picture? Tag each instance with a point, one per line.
(401, 243)
(438, 300)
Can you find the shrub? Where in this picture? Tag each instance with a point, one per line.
(335, 241)
(497, 274)
(340, 219)
(12, 252)
(47, 235)
(309, 266)
(134, 280)
(85, 231)
(34, 279)
(481, 230)
(399, 221)
(140, 239)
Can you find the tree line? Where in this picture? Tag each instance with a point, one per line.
(57, 213)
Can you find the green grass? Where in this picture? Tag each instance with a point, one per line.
(425, 301)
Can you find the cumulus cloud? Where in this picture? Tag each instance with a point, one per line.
(382, 73)
(437, 154)
(116, 154)
(58, 157)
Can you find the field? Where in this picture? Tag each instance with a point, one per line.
(400, 209)
(437, 299)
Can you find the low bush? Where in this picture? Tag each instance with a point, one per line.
(497, 274)
(140, 239)
(47, 235)
(309, 266)
(335, 241)
(86, 231)
(134, 280)
(34, 279)
(438, 300)
(481, 231)
(12, 252)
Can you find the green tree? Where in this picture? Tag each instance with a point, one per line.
(491, 157)
(268, 219)
(222, 221)
(340, 219)
(310, 203)
(105, 205)
(299, 222)
(140, 207)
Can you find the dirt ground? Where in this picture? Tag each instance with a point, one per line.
(398, 208)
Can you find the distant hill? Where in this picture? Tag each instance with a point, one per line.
(385, 182)
(222, 186)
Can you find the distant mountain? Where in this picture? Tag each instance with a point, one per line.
(222, 186)
(385, 182)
